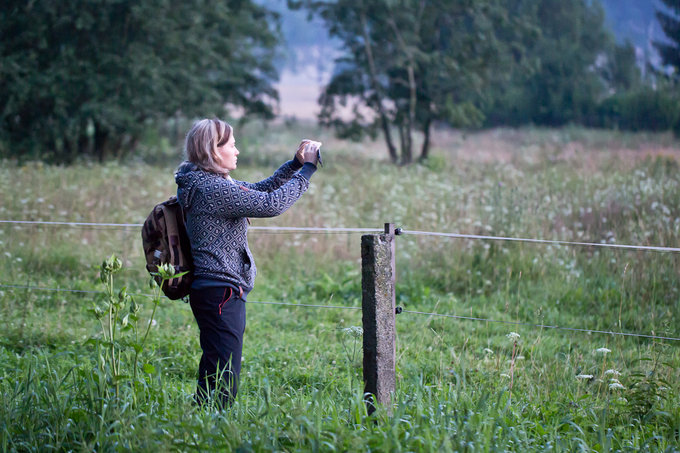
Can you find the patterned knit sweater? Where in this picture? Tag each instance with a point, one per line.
(217, 211)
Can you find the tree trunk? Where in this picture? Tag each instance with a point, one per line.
(425, 150)
(384, 122)
(100, 142)
(407, 154)
(406, 142)
(402, 137)
(406, 133)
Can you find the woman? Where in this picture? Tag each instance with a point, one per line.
(217, 208)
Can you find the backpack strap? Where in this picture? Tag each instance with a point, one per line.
(173, 232)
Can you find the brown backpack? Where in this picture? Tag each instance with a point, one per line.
(165, 240)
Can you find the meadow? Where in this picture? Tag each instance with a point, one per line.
(462, 384)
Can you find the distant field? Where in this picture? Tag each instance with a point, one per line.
(299, 93)
(463, 385)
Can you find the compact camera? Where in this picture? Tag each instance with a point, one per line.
(317, 145)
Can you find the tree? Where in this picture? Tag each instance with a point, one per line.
(409, 63)
(87, 76)
(574, 64)
(670, 23)
(670, 51)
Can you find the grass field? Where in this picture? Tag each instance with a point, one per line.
(462, 385)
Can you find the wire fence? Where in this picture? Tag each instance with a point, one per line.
(81, 291)
(400, 231)
(312, 230)
(542, 241)
(543, 326)
(399, 310)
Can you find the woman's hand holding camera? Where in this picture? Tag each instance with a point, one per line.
(308, 151)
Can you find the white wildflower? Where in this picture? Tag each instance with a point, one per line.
(616, 386)
(353, 331)
(488, 351)
(153, 323)
(513, 336)
(505, 375)
(604, 351)
(584, 376)
(612, 372)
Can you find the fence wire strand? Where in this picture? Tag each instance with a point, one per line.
(331, 230)
(541, 241)
(81, 291)
(274, 229)
(470, 318)
(543, 326)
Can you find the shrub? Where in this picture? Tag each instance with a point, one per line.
(645, 109)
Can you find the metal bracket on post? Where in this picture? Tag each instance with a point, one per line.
(378, 317)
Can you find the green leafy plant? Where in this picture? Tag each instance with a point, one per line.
(649, 389)
(120, 334)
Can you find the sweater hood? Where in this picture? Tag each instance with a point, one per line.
(183, 174)
(185, 177)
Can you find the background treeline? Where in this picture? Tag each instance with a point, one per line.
(88, 77)
(91, 78)
(577, 73)
(407, 65)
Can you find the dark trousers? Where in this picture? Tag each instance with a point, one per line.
(221, 317)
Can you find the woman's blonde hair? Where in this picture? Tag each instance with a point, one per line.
(202, 141)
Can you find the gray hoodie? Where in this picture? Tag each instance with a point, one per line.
(217, 211)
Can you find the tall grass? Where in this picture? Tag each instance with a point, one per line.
(301, 385)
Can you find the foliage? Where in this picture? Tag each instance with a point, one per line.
(119, 338)
(87, 77)
(575, 64)
(670, 23)
(644, 109)
(408, 64)
(670, 49)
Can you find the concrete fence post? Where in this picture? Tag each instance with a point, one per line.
(378, 317)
